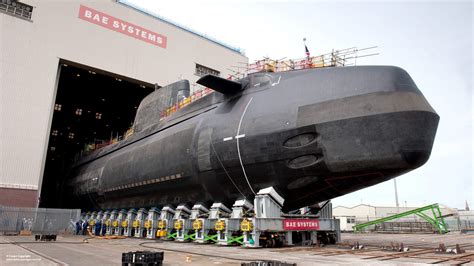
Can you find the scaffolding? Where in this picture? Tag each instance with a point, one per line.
(336, 58)
(436, 221)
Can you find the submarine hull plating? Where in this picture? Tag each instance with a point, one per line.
(311, 134)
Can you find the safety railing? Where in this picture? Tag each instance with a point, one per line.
(184, 102)
(336, 58)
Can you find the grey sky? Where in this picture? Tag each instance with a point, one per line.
(432, 41)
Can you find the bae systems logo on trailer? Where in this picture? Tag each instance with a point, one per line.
(118, 25)
(300, 224)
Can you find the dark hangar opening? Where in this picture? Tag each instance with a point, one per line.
(92, 108)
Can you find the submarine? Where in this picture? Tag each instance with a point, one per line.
(311, 134)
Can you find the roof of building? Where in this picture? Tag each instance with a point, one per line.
(175, 24)
(388, 207)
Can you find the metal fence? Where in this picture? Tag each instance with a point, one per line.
(37, 220)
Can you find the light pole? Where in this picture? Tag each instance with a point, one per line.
(396, 195)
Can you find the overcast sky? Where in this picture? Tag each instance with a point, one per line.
(432, 41)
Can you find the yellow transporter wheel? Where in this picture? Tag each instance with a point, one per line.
(115, 223)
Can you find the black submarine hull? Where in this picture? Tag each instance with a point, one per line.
(311, 134)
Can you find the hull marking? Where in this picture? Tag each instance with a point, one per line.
(238, 147)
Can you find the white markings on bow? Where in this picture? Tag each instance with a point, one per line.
(228, 138)
(238, 148)
(240, 136)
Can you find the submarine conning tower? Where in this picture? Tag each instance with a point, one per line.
(150, 108)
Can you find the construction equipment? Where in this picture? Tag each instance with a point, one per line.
(436, 221)
(117, 224)
(165, 224)
(92, 220)
(182, 224)
(109, 223)
(228, 229)
(269, 227)
(127, 224)
(139, 223)
(261, 224)
(205, 227)
(86, 216)
(151, 223)
(105, 217)
(99, 216)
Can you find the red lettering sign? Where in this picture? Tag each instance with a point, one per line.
(300, 224)
(118, 25)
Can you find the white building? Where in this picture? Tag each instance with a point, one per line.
(365, 212)
(72, 72)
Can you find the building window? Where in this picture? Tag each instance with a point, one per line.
(53, 148)
(71, 135)
(98, 116)
(57, 107)
(54, 132)
(16, 9)
(78, 111)
(202, 71)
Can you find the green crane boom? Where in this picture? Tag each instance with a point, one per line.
(437, 220)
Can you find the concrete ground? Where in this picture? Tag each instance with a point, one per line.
(72, 250)
(413, 240)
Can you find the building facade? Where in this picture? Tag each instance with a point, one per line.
(37, 37)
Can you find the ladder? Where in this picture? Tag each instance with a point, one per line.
(437, 220)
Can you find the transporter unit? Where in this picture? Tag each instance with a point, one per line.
(228, 229)
(100, 215)
(165, 224)
(151, 223)
(205, 226)
(182, 224)
(105, 217)
(127, 224)
(270, 227)
(86, 216)
(118, 226)
(139, 223)
(261, 224)
(111, 222)
(92, 220)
